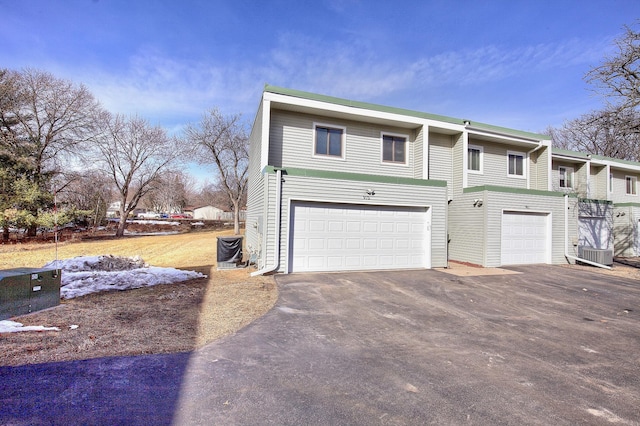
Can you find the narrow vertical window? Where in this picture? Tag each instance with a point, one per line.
(610, 182)
(565, 176)
(474, 158)
(516, 164)
(632, 182)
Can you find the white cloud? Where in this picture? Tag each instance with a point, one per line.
(174, 91)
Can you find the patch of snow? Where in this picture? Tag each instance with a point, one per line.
(142, 234)
(7, 326)
(91, 274)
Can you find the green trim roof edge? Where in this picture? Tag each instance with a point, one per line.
(411, 113)
(325, 174)
(584, 156)
(626, 204)
(511, 190)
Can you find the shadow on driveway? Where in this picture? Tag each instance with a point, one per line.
(549, 346)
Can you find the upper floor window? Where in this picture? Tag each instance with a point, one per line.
(632, 183)
(566, 177)
(329, 141)
(394, 149)
(516, 164)
(610, 182)
(474, 158)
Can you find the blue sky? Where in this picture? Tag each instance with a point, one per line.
(513, 63)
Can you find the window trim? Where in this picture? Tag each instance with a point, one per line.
(343, 141)
(480, 148)
(524, 164)
(634, 189)
(568, 172)
(610, 182)
(406, 148)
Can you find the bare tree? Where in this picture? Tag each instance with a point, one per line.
(212, 194)
(91, 191)
(172, 194)
(134, 154)
(603, 133)
(43, 119)
(615, 130)
(223, 141)
(618, 78)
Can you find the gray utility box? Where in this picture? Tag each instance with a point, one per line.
(25, 290)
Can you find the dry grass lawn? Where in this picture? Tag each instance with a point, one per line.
(160, 319)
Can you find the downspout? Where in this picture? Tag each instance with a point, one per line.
(276, 254)
(566, 238)
(529, 168)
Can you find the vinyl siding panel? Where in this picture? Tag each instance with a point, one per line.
(255, 190)
(599, 183)
(458, 166)
(303, 188)
(540, 167)
(495, 166)
(270, 216)
(419, 147)
(467, 230)
(625, 231)
(619, 195)
(292, 138)
(440, 157)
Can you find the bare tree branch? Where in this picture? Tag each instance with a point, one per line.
(223, 140)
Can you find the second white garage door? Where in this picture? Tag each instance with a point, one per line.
(525, 238)
(344, 237)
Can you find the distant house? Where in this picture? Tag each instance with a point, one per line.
(208, 213)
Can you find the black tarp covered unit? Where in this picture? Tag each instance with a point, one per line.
(229, 249)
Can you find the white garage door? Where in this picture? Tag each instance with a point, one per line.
(342, 237)
(524, 238)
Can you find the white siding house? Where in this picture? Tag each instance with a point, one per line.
(341, 185)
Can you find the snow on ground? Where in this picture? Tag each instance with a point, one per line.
(7, 326)
(91, 274)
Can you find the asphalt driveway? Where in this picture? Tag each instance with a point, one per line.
(549, 346)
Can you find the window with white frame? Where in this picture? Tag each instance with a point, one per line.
(516, 165)
(329, 141)
(474, 159)
(565, 175)
(632, 183)
(394, 148)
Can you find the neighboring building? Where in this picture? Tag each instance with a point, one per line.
(207, 213)
(611, 186)
(339, 185)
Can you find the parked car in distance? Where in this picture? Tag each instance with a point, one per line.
(179, 216)
(149, 215)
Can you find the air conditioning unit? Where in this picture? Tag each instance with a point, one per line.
(601, 256)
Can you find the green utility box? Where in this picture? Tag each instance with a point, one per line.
(25, 290)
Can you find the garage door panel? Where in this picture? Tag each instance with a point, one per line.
(524, 238)
(355, 237)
